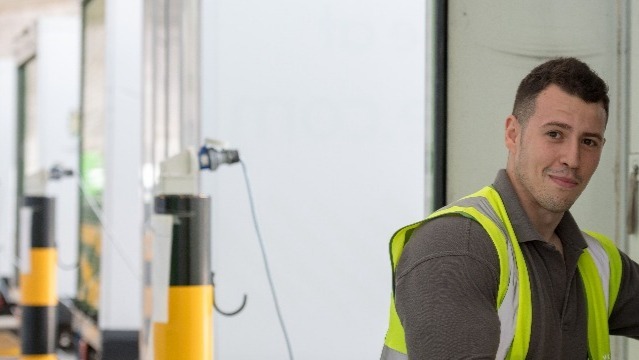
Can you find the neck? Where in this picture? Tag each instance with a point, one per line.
(544, 221)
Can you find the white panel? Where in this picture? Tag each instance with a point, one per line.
(633, 129)
(121, 258)
(58, 54)
(8, 89)
(326, 103)
(26, 224)
(485, 70)
(493, 44)
(162, 227)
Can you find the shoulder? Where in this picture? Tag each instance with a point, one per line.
(629, 274)
(624, 319)
(446, 237)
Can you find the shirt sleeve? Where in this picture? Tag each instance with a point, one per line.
(624, 319)
(446, 289)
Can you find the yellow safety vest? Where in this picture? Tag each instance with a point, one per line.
(599, 266)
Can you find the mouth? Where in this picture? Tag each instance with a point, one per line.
(564, 182)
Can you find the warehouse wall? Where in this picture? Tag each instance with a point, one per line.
(58, 90)
(327, 103)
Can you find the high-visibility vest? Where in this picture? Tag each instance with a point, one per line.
(599, 266)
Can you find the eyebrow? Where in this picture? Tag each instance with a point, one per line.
(568, 127)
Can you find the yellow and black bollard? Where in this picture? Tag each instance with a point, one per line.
(188, 334)
(38, 296)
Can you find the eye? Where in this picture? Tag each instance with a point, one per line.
(554, 134)
(590, 142)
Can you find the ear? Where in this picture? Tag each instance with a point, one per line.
(513, 132)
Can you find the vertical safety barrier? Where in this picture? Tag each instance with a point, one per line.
(188, 334)
(38, 281)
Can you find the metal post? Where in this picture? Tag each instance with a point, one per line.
(440, 111)
(188, 334)
(38, 298)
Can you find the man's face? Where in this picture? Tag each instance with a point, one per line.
(553, 156)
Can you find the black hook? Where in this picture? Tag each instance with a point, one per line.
(228, 313)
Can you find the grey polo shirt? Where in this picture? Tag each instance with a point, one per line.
(447, 280)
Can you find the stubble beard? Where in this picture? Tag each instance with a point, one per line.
(547, 198)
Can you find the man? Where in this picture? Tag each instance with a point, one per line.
(506, 272)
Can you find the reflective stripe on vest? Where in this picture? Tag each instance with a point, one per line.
(600, 269)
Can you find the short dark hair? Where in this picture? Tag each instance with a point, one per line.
(570, 74)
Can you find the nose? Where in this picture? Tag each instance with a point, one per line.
(570, 154)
